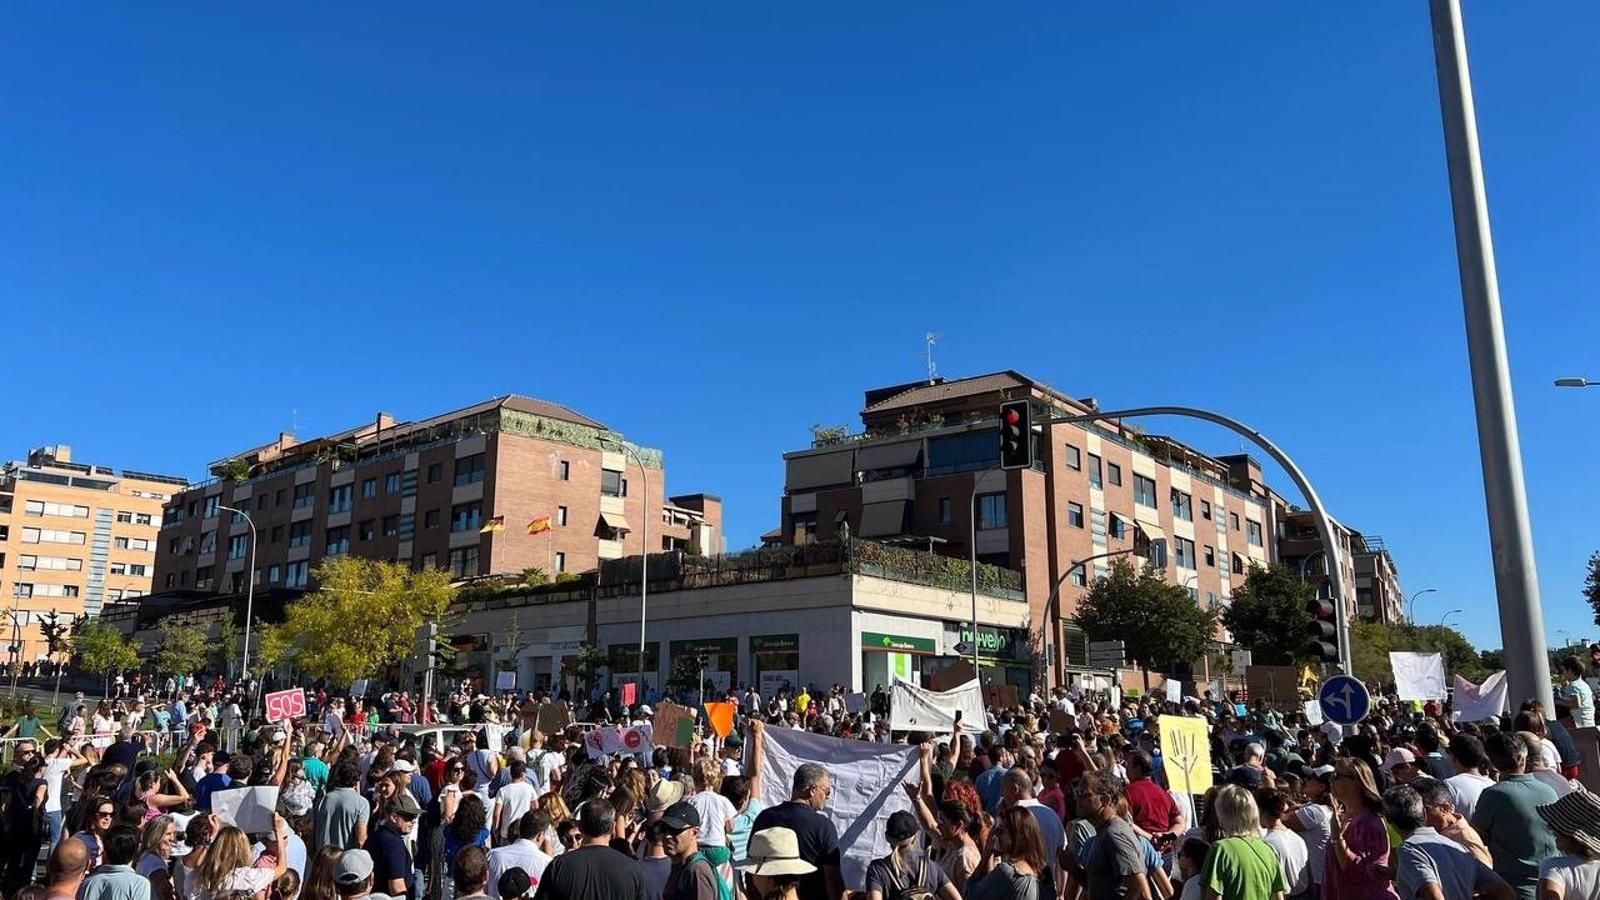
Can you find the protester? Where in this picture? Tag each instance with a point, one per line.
(1507, 816)
(529, 852)
(115, 878)
(1014, 861)
(592, 870)
(1356, 865)
(817, 836)
(772, 868)
(1430, 865)
(1290, 848)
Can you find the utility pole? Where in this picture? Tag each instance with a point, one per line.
(1499, 450)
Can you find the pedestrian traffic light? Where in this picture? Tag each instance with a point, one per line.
(1324, 630)
(1016, 435)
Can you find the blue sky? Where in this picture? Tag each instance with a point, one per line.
(711, 225)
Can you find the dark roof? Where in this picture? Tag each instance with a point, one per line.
(518, 403)
(923, 393)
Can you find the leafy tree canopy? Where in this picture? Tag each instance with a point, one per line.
(1157, 622)
(363, 617)
(1268, 616)
(183, 648)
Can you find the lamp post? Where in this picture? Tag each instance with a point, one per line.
(1447, 615)
(1576, 382)
(972, 564)
(249, 591)
(1052, 614)
(1412, 615)
(644, 551)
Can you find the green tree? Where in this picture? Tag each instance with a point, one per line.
(1371, 643)
(1157, 622)
(363, 617)
(585, 666)
(104, 651)
(1268, 617)
(183, 648)
(227, 647)
(58, 641)
(267, 646)
(534, 575)
(1591, 585)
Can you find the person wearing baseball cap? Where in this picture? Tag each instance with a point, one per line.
(1400, 765)
(352, 874)
(692, 877)
(389, 848)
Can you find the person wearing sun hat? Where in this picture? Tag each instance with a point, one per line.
(772, 868)
(1575, 874)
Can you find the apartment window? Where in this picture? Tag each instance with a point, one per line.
(1182, 506)
(1144, 490)
(464, 562)
(561, 515)
(279, 496)
(1074, 458)
(1183, 552)
(391, 483)
(339, 498)
(430, 519)
(1075, 514)
(805, 528)
(1078, 577)
(272, 574)
(1238, 564)
(1114, 474)
(172, 579)
(305, 495)
(1205, 510)
(1094, 471)
(212, 505)
(367, 529)
(22, 589)
(172, 515)
(1115, 527)
(338, 541)
(116, 568)
(435, 472)
(52, 590)
(991, 511)
(28, 563)
(469, 469)
(1253, 532)
(237, 517)
(1158, 554)
(123, 543)
(1233, 521)
(430, 561)
(275, 535)
(612, 484)
(1211, 600)
(51, 536)
(369, 488)
(261, 501)
(561, 562)
(300, 534)
(208, 542)
(202, 578)
(1211, 555)
(65, 510)
(194, 508)
(466, 516)
(565, 469)
(139, 569)
(124, 517)
(391, 526)
(294, 574)
(945, 516)
(238, 546)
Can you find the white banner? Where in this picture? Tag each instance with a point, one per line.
(774, 680)
(1313, 710)
(611, 739)
(1418, 676)
(912, 708)
(1476, 702)
(866, 779)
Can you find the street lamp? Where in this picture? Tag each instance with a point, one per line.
(644, 549)
(1412, 615)
(1446, 616)
(1052, 615)
(1576, 382)
(249, 591)
(972, 562)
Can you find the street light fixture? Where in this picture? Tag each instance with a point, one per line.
(644, 548)
(249, 591)
(1412, 615)
(1448, 615)
(1576, 382)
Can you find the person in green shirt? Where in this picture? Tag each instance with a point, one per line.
(1240, 866)
(27, 725)
(1507, 817)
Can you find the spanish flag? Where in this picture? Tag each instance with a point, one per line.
(539, 525)
(498, 523)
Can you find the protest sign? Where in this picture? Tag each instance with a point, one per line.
(674, 726)
(553, 717)
(505, 681)
(855, 704)
(998, 697)
(720, 714)
(1278, 685)
(358, 688)
(630, 693)
(1476, 702)
(1186, 754)
(1060, 722)
(1174, 690)
(1313, 710)
(1418, 676)
(912, 708)
(248, 809)
(285, 705)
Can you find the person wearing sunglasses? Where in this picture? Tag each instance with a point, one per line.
(102, 814)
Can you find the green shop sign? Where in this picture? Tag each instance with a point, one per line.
(895, 643)
(708, 646)
(775, 643)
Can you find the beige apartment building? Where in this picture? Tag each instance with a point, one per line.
(74, 538)
(421, 493)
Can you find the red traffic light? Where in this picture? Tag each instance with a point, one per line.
(1012, 417)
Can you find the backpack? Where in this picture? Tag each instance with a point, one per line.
(914, 890)
(723, 891)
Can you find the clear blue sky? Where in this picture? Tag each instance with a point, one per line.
(711, 225)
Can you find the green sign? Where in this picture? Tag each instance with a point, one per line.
(989, 639)
(895, 643)
(708, 646)
(775, 643)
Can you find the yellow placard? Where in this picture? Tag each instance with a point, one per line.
(1186, 754)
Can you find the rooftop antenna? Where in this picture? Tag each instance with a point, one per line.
(931, 338)
(294, 422)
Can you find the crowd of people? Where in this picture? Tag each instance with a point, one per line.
(1065, 796)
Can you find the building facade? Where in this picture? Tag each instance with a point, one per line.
(74, 538)
(556, 490)
(1368, 570)
(924, 472)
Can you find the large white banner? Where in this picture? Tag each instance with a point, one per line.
(866, 777)
(1476, 702)
(912, 708)
(1418, 676)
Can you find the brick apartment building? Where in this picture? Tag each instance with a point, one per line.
(1368, 568)
(74, 537)
(927, 448)
(420, 493)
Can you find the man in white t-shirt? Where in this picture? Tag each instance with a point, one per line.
(1466, 752)
(513, 800)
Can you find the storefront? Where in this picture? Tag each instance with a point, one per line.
(1004, 654)
(622, 663)
(774, 662)
(885, 657)
(720, 659)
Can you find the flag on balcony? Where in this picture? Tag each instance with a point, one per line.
(498, 523)
(539, 525)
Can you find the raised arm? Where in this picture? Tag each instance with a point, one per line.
(758, 737)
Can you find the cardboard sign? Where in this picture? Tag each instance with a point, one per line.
(553, 718)
(1278, 685)
(285, 705)
(630, 693)
(999, 696)
(248, 809)
(505, 681)
(1186, 754)
(674, 726)
(1060, 722)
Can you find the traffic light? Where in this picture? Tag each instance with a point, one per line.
(1324, 630)
(1016, 435)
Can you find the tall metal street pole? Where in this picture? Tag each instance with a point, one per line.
(250, 591)
(644, 555)
(1500, 452)
(972, 565)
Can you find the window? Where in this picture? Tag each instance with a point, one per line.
(1211, 555)
(1238, 564)
(212, 503)
(1094, 471)
(22, 589)
(369, 488)
(1115, 527)
(1144, 490)
(1078, 577)
(612, 484)
(305, 495)
(300, 534)
(172, 515)
(466, 516)
(66, 510)
(123, 516)
(276, 535)
(238, 546)
(391, 483)
(208, 542)
(991, 511)
(561, 562)
(1182, 506)
(1233, 521)
(430, 519)
(469, 469)
(1211, 600)
(28, 563)
(464, 562)
(565, 470)
(194, 508)
(430, 561)
(338, 541)
(367, 529)
(272, 574)
(237, 517)
(1183, 552)
(945, 517)
(139, 569)
(1074, 458)
(1114, 474)
(294, 574)
(279, 496)
(391, 526)
(1075, 514)
(123, 543)
(1158, 554)
(339, 498)
(1253, 532)
(51, 536)
(47, 590)
(561, 515)
(202, 578)
(1205, 510)
(261, 501)
(970, 452)
(116, 568)
(805, 528)
(435, 472)
(172, 579)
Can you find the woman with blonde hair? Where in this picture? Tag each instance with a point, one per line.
(1356, 864)
(197, 835)
(227, 870)
(157, 840)
(1240, 866)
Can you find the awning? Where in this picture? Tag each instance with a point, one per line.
(615, 521)
(1150, 531)
(884, 519)
(822, 470)
(888, 456)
